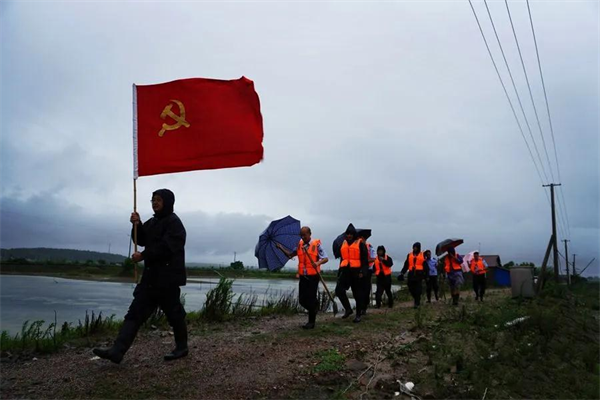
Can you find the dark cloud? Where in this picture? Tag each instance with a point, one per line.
(388, 115)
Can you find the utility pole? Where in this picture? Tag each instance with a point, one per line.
(554, 238)
(574, 264)
(234, 256)
(567, 260)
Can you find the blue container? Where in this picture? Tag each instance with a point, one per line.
(502, 276)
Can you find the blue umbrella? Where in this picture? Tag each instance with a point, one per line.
(285, 231)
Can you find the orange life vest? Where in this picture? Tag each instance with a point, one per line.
(415, 262)
(350, 254)
(379, 266)
(305, 267)
(451, 263)
(477, 267)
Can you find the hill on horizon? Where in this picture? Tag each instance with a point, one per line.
(48, 254)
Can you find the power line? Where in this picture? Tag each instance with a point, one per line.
(507, 96)
(560, 211)
(549, 117)
(529, 88)
(510, 101)
(514, 86)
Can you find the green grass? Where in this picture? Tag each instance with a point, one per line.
(34, 337)
(329, 361)
(551, 354)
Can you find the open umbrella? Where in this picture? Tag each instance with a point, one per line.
(444, 245)
(337, 245)
(363, 233)
(285, 231)
(467, 261)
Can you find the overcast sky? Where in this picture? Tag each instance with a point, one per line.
(388, 115)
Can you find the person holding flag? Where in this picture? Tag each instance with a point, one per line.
(310, 258)
(352, 272)
(163, 237)
(183, 125)
(418, 270)
(383, 273)
(478, 269)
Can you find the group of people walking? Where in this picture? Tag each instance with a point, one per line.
(164, 236)
(359, 261)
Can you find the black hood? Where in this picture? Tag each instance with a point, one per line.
(351, 230)
(418, 246)
(168, 202)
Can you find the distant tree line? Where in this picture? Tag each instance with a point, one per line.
(523, 264)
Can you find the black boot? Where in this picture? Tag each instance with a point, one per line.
(348, 313)
(357, 318)
(122, 343)
(309, 325)
(109, 354)
(312, 317)
(181, 347)
(454, 299)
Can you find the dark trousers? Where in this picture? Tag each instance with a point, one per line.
(384, 283)
(146, 299)
(307, 295)
(415, 287)
(432, 285)
(349, 278)
(479, 284)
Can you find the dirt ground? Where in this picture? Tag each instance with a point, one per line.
(268, 357)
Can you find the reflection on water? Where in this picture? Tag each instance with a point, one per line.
(32, 298)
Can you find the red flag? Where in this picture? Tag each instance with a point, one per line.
(197, 123)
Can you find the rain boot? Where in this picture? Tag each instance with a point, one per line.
(454, 299)
(181, 336)
(122, 343)
(312, 317)
(109, 354)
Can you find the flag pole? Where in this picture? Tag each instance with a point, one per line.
(135, 174)
(135, 226)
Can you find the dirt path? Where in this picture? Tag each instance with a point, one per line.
(260, 358)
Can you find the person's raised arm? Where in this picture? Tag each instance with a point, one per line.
(288, 253)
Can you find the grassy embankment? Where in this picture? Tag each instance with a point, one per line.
(504, 348)
(547, 347)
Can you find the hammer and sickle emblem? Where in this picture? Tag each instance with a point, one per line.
(179, 119)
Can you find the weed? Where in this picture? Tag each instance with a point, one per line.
(329, 361)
